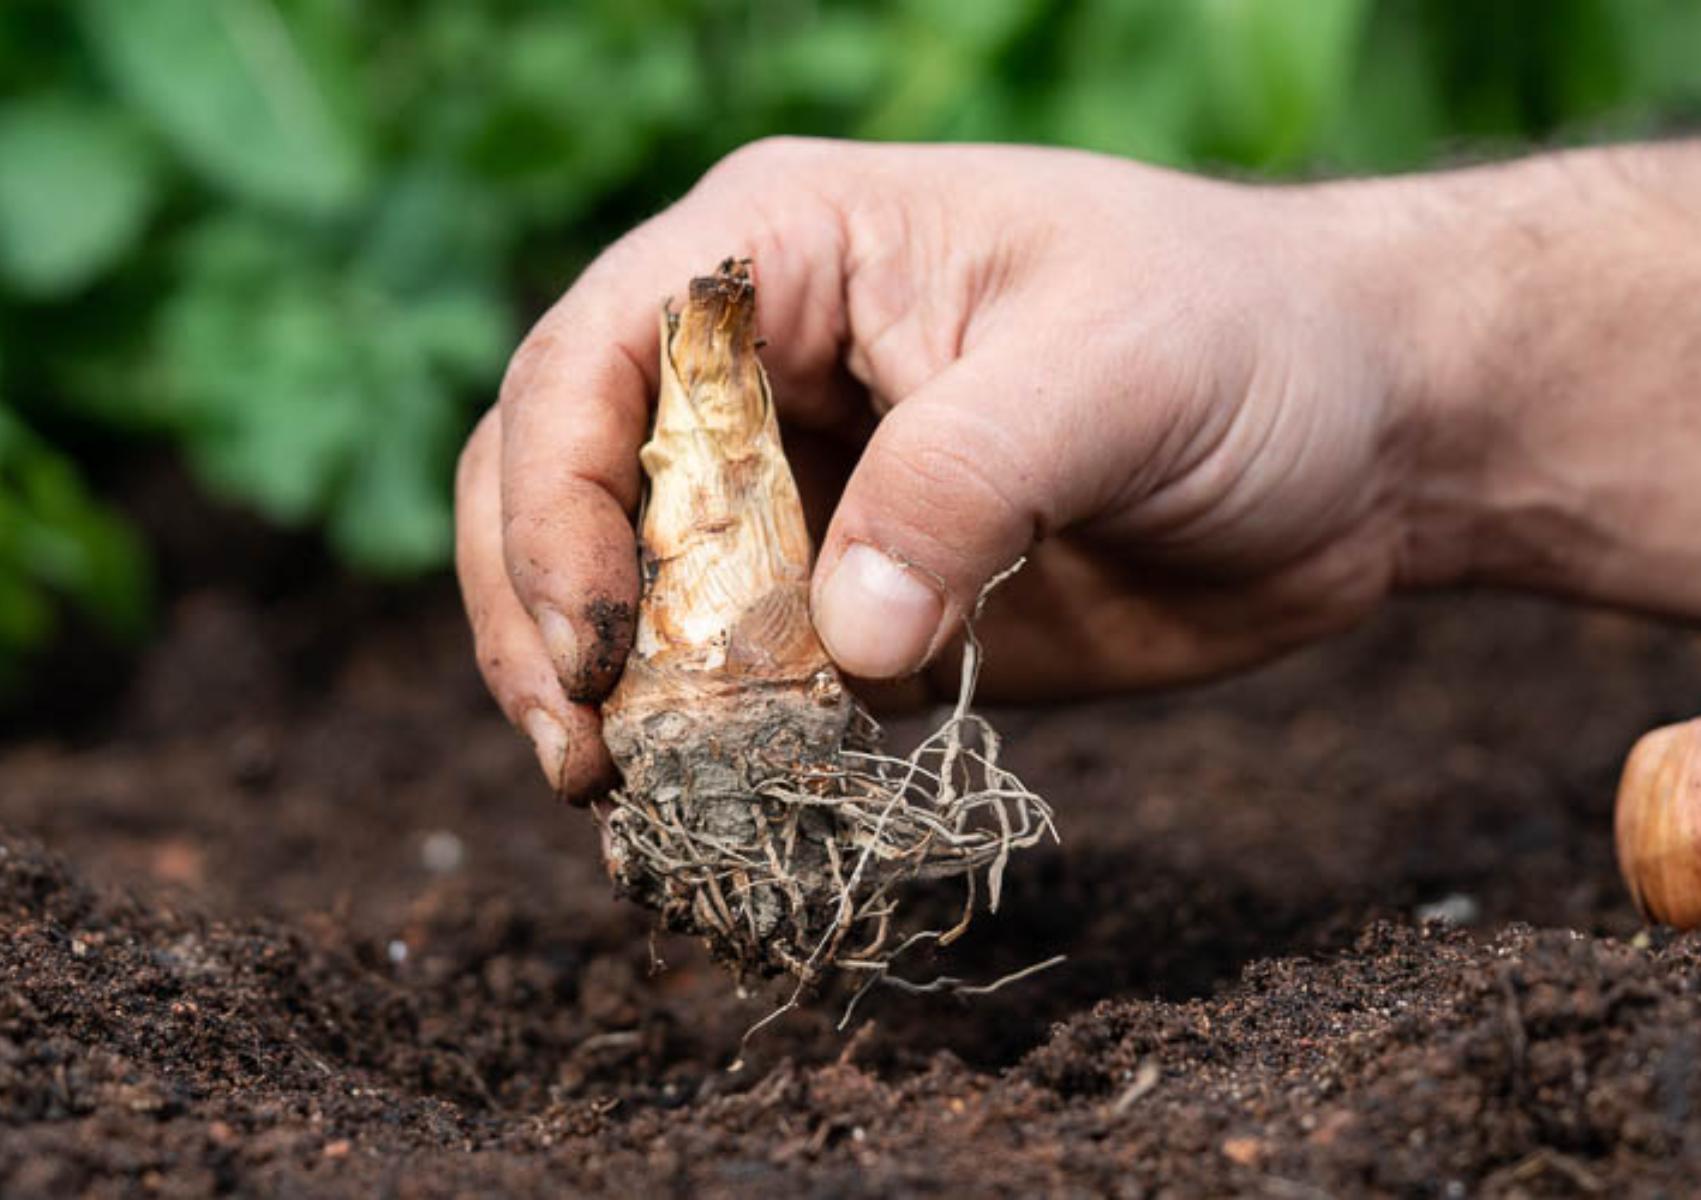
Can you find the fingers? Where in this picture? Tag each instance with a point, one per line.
(568, 487)
(957, 483)
(512, 654)
(575, 404)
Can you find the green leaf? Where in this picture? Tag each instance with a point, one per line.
(981, 27)
(1662, 39)
(227, 84)
(464, 329)
(58, 544)
(1278, 72)
(259, 374)
(838, 57)
(572, 109)
(431, 223)
(393, 515)
(1394, 118)
(316, 392)
(945, 51)
(1129, 83)
(76, 185)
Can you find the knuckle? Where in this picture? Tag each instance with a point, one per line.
(526, 532)
(757, 159)
(491, 665)
(955, 498)
(503, 667)
(960, 474)
(532, 554)
(619, 257)
(527, 362)
(475, 456)
(494, 660)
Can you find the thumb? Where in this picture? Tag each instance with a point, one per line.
(957, 482)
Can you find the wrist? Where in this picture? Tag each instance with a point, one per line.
(1541, 333)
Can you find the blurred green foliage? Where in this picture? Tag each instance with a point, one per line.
(295, 239)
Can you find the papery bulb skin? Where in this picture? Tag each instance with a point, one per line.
(1658, 825)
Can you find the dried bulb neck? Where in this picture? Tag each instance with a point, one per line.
(725, 615)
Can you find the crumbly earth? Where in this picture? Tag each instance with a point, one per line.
(287, 912)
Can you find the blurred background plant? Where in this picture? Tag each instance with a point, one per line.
(292, 241)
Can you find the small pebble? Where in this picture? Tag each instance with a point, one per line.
(1454, 909)
(398, 951)
(1246, 1151)
(442, 852)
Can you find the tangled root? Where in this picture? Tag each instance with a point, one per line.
(796, 863)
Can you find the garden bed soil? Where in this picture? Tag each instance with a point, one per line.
(287, 910)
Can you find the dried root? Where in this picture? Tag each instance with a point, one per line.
(758, 811)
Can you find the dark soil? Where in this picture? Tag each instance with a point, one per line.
(288, 912)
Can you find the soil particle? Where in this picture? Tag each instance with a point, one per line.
(611, 623)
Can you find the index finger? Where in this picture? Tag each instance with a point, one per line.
(575, 403)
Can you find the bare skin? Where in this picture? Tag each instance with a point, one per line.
(1222, 420)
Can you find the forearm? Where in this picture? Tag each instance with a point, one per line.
(1544, 325)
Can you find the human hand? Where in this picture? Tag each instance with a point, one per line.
(1174, 394)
